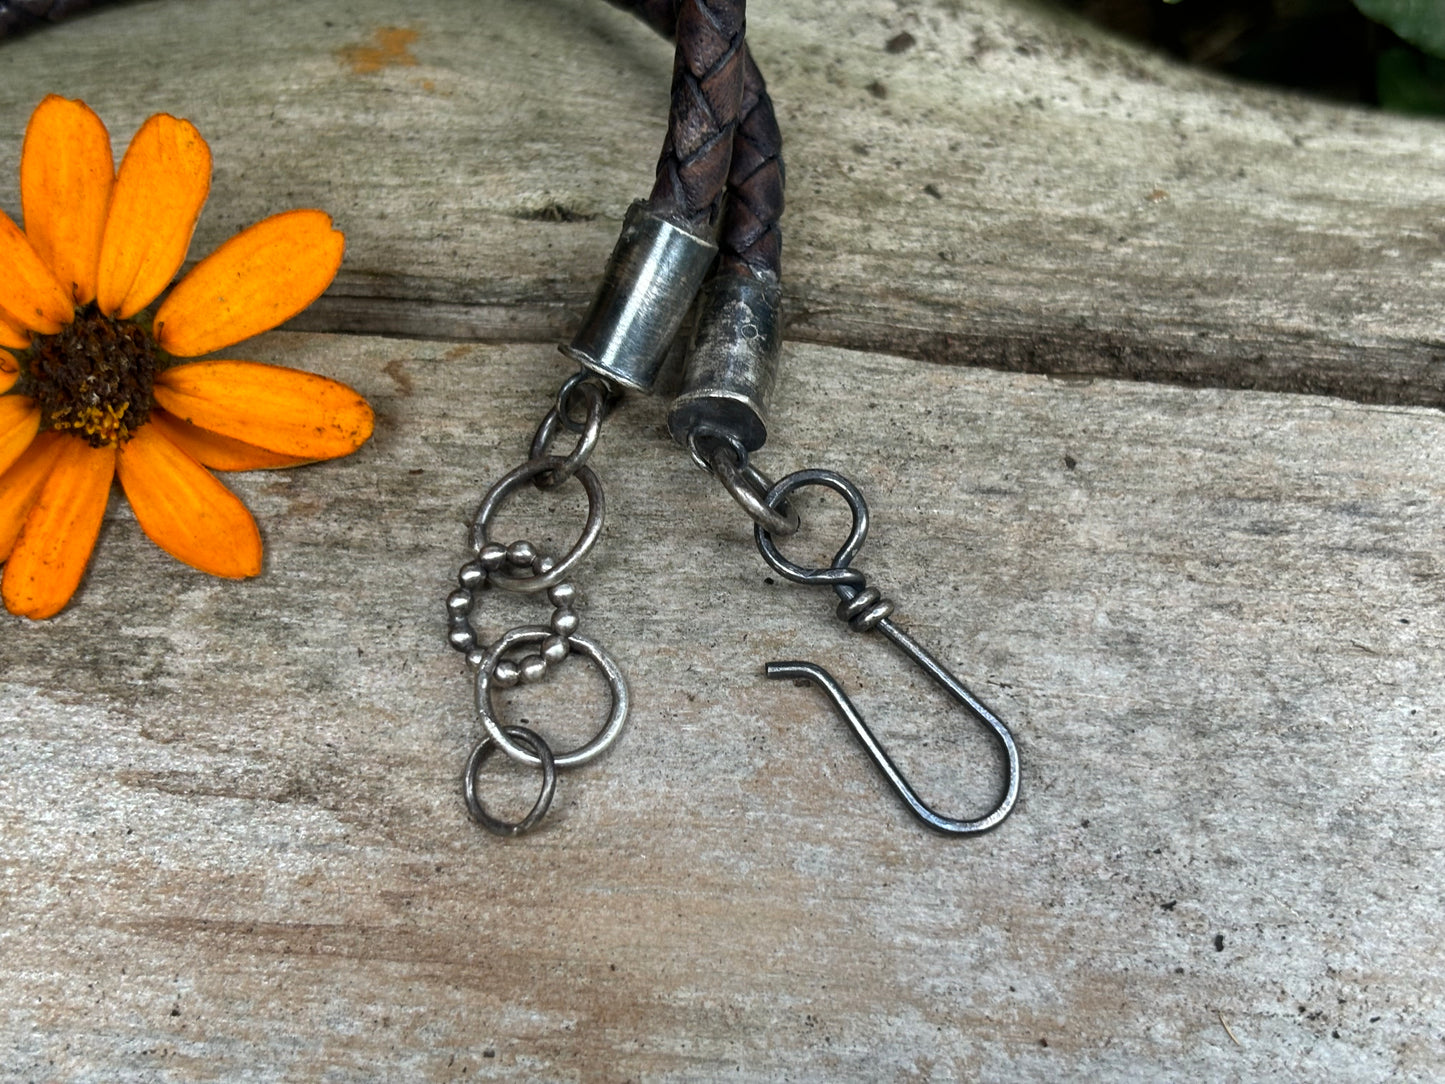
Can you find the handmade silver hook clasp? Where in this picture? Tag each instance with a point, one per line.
(865, 609)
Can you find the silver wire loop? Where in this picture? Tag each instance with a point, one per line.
(509, 484)
(705, 440)
(526, 635)
(564, 400)
(543, 756)
(748, 486)
(865, 609)
(838, 574)
(744, 482)
(586, 440)
(611, 396)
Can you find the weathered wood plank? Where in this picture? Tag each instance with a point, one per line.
(1014, 190)
(235, 848)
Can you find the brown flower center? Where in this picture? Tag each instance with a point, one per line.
(95, 378)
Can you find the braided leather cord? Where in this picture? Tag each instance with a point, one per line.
(17, 15)
(752, 238)
(707, 94)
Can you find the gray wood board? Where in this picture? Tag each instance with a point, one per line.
(1014, 189)
(235, 846)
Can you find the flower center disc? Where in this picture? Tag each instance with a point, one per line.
(95, 378)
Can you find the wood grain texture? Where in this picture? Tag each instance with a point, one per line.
(1015, 190)
(235, 846)
(234, 843)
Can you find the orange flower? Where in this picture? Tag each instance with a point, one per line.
(90, 389)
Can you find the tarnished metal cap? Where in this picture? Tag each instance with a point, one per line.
(732, 361)
(649, 284)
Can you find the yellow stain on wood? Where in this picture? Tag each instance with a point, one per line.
(389, 50)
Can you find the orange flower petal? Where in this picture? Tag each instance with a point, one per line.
(60, 532)
(66, 174)
(30, 296)
(282, 410)
(12, 335)
(9, 371)
(20, 486)
(215, 451)
(19, 422)
(258, 279)
(185, 511)
(163, 182)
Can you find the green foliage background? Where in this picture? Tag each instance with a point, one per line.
(1411, 80)
(1389, 53)
(1420, 22)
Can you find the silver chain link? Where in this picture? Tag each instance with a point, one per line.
(722, 454)
(521, 567)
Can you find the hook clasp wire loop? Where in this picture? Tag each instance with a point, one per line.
(864, 609)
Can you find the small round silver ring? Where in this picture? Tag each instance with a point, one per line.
(585, 378)
(586, 441)
(542, 756)
(838, 573)
(564, 397)
(510, 483)
(524, 636)
(705, 439)
(749, 486)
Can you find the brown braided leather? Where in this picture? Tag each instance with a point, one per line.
(751, 238)
(707, 94)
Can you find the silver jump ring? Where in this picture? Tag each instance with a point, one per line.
(586, 441)
(838, 574)
(714, 438)
(749, 487)
(585, 378)
(526, 635)
(513, 481)
(564, 395)
(543, 756)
